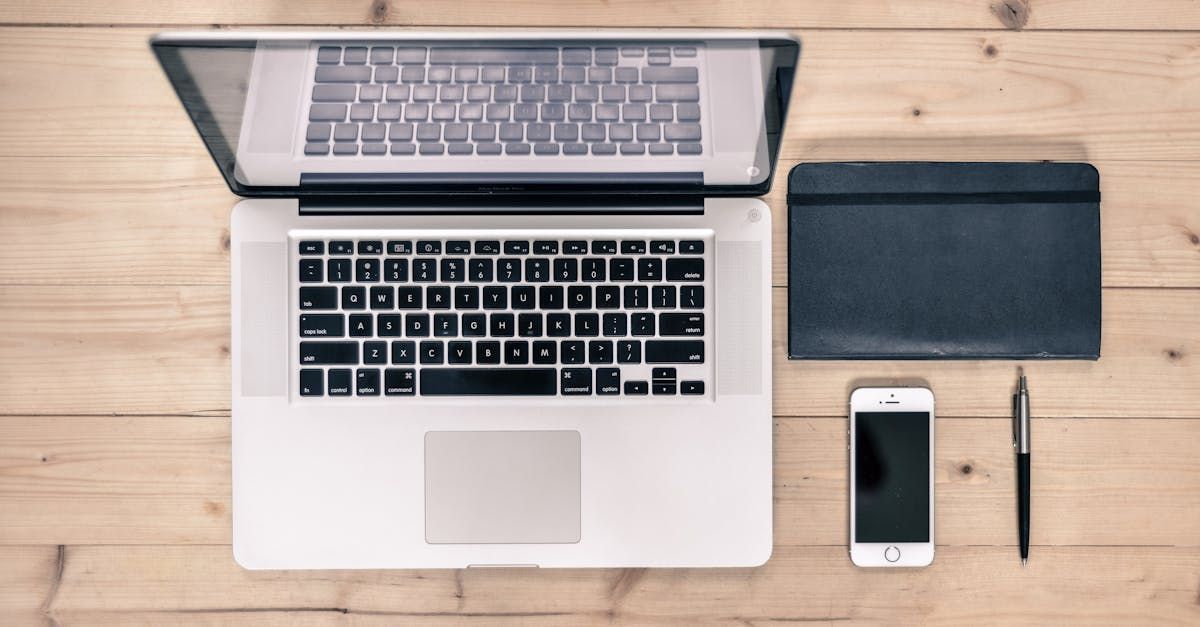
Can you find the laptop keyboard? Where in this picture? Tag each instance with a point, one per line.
(413, 316)
(512, 101)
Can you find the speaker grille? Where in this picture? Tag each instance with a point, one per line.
(263, 342)
(739, 317)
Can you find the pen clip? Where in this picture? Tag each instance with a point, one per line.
(1015, 418)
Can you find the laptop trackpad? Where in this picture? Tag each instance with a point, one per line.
(492, 487)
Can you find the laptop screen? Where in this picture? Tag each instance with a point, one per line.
(403, 113)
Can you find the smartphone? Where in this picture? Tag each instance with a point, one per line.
(891, 476)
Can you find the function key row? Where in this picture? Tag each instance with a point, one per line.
(509, 247)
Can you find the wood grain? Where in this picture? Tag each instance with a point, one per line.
(860, 95)
(142, 221)
(915, 14)
(153, 350)
(165, 480)
(965, 585)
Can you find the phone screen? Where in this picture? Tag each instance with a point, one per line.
(891, 477)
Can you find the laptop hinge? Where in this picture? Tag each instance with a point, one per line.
(471, 204)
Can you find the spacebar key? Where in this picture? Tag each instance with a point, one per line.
(488, 381)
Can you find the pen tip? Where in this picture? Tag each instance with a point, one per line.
(1022, 381)
(1024, 560)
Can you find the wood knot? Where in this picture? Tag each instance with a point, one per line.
(966, 469)
(916, 112)
(990, 51)
(224, 350)
(1173, 354)
(225, 240)
(1193, 238)
(215, 509)
(1013, 14)
(45, 459)
(379, 11)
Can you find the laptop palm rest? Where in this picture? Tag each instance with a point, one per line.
(502, 487)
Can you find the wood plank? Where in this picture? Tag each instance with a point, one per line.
(132, 480)
(142, 221)
(965, 585)
(917, 14)
(165, 480)
(139, 350)
(30, 576)
(861, 95)
(115, 350)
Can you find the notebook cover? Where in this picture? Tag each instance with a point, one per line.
(943, 261)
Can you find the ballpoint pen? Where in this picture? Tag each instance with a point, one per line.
(1021, 444)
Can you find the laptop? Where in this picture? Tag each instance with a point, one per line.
(499, 298)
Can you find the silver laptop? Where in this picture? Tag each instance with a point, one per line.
(498, 298)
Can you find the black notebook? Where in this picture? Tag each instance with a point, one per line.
(943, 261)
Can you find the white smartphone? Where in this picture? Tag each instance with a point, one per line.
(891, 477)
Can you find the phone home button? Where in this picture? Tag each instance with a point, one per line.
(891, 554)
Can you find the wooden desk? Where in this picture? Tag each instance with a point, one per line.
(114, 439)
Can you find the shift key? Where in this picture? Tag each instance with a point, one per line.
(334, 353)
(674, 352)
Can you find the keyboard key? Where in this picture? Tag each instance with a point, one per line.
(501, 325)
(341, 247)
(381, 298)
(674, 352)
(388, 325)
(670, 75)
(650, 269)
(454, 270)
(615, 324)
(573, 352)
(399, 247)
(343, 74)
(480, 270)
(329, 55)
(608, 381)
(487, 247)
(429, 247)
(576, 381)
(608, 297)
(495, 297)
(593, 269)
(399, 382)
(408, 297)
(537, 270)
(311, 271)
(404, 352)
(516, 247)
(487, 353)
(545, 352)
(558, 324)
(692, 247)
(600, 352)
(367, 382)
(677, 93)
(636, 296)
(604, 247)
(458, 353)
(339, 382)
(629, 352)
(322, 325)
(432, 352)
(360, 325)
(575, 247)
(339, 270)
(318, 298)
(508, 270)
(335, 353)
(663, 296)
(416, 325)
(366, 270)
(523, 297)
(370, 247)
(395, 270)
(312, 382)
(633, 247)
(488, 382)
(642, 324)
(587, 324)
(636, 388)
(374, 353)
(579, 297)
(691, 388)
(681, 324)
(566, 270)
(691, 296)
(445, 324)
(685, 269)
(424, 270)
(354, 297)
(516, 352)
(620, 269)
(466, 297)
(662, 247)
